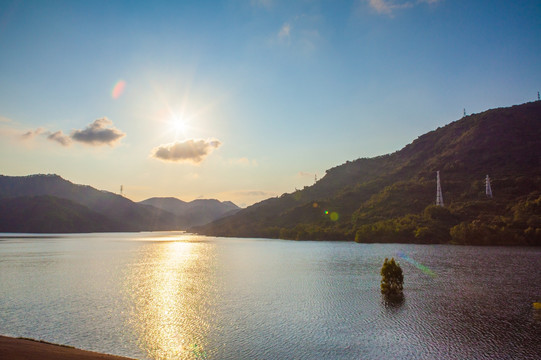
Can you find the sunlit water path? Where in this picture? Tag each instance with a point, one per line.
(178, 296)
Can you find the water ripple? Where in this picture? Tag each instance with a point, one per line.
(170, 296)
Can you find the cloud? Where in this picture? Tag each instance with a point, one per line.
(32, 133)
(191, 150)
(284, 32)
(100, 132)
(387, 7)
(300, 34)
(60, 138)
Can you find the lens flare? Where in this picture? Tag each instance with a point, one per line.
(421, 267)
(118, 89)
(333, 215)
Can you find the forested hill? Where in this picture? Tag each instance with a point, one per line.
(49, 203)
(391, 198)
(34, 192)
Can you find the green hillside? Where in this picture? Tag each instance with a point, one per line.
(390, 198)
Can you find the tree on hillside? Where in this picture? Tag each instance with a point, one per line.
(392, 279)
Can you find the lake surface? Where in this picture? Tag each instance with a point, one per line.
(178, 296)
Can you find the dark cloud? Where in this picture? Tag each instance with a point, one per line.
(60, 138)
(190, 150)
(100, 132)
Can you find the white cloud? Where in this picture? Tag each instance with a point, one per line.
(300, 34)
(380, 6)
(284, 31)
(191, 150)
(387, 7)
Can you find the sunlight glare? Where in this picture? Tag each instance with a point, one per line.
(178, 125)
(169, 294)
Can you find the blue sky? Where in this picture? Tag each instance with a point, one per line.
(246, 99)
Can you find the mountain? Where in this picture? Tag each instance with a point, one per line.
(47, 214)
(391, 198)
(197, 212)
(122, 213)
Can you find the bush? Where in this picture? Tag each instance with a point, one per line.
(392, 279)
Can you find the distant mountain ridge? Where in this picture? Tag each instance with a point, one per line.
(80, 208)
(196, 212)
(390, 198)
(127, 215)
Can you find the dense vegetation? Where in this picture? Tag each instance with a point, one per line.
(390, 198)
(392, 278)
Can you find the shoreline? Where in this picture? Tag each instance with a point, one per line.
(26, 349)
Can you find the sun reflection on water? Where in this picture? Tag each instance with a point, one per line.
(171, 296)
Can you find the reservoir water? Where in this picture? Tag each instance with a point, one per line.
(179, 296)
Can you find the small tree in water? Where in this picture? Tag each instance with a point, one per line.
(392, 279)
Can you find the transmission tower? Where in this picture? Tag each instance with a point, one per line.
(121, 190)
(439, 196)
(488, 189)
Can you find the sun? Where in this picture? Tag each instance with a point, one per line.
(176, 122)
(178, 125)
